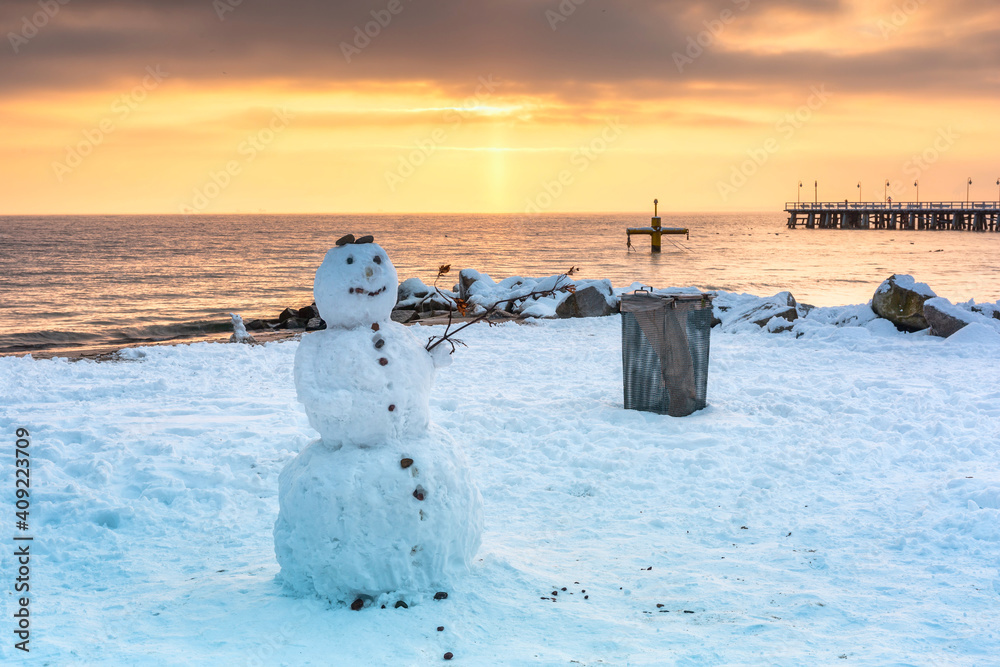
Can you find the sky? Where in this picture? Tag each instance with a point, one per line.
(306, 106)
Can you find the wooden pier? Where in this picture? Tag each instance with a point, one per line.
(976, 216)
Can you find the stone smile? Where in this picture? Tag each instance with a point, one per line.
(360, 290)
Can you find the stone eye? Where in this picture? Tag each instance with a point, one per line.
(350, 260)
(377, 259)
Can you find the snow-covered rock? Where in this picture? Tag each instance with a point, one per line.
(513, 295)
(745, 312)
(945, 318)
(900, 299)
(413, 294)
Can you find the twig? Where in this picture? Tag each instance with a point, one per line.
(448, 334)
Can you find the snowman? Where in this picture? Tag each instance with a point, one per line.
(381, 508)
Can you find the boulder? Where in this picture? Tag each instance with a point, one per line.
(469, 277)
(428, 314)
(587, 302)
(760, 312)
(945, 318)
(403, 315)
(414, 294)
(900, 299)
(258, 325)
(292, 323)
(287, 314)
(315, 323)
(465, 279)
(804, 308)
(779, 324)
(410, 288)
(308, 312)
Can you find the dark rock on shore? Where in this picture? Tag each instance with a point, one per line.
(946, 318)
(308, 313)
(315, 324)
(588, 302)
(403, 316)
(941, 322)
(287, 314)
(258, 325)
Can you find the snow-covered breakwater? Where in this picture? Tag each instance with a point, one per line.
(898, 304)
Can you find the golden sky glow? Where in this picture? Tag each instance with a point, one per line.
(157, 107)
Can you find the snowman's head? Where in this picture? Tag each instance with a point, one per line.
(355, 285)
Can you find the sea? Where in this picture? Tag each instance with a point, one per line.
(71, 284)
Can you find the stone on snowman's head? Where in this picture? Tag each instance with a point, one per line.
(355, 285)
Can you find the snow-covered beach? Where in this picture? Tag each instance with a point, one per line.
(839, 499)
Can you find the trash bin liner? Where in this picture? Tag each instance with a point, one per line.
(665, 341)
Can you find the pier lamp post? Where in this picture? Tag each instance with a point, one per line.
(885, 192)
(998, 189)
(816, 192)
(967, 186)
(916, 184)
(798, 195)
(859, 192)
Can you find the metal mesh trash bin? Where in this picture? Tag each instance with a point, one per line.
(665, 340)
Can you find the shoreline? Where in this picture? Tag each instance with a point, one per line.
(110, 352)
(898, 303)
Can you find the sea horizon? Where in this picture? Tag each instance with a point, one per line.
(120, 279)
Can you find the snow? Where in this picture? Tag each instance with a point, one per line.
(907, 282)
(987, 309)
(977, 334)
(840, 496)
(350, 526)
(346, 392)
(354, 284)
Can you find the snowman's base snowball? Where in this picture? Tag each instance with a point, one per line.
(351, 523)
